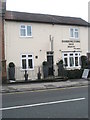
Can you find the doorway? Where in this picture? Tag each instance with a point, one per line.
(50, 63)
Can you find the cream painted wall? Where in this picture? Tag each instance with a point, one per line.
(39, 43)
(84, 40)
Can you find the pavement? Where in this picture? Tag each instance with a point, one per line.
(34, 86)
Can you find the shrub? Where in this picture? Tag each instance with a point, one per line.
(74, 74)
(60, 62)
(45, 63)
(84, 62)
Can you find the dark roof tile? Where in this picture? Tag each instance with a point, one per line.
(44, 18)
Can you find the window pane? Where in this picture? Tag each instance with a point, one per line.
(65, 54)
(71, 54)
(23, 26)
(76, 54)
(66, 62)
(30, 63)
(29, 55)
(71, 61)
(71, 33)
(22, 32)
(28, 30)
(76, 30)
(24, 64)
(79, 61)
(23, 56)
(76, 61)
(76, 34)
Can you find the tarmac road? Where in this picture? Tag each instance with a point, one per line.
(56, 103)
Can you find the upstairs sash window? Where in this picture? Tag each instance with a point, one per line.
(25, 31)
(74, 33)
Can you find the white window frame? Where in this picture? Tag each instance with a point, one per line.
(27, 58)
(74, 32)
(74, 55)
(25, 30)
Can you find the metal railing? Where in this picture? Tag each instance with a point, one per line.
(32, 74)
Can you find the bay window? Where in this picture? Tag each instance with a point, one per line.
(71, 59)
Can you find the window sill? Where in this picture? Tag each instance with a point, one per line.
(27, 69)
(26, 36)
(73, 68)
(72, 38)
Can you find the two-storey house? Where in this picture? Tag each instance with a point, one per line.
(31, 39)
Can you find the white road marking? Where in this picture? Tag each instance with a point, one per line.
(40, 104)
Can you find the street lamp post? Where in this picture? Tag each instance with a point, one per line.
(4, 76)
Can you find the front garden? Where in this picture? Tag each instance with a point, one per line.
(76, 73)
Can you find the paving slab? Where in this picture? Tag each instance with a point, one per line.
(41, 86)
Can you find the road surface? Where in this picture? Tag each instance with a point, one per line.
(57, 103)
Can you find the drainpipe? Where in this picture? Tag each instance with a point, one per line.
(0, 43)
(4, 75)
(88, 54)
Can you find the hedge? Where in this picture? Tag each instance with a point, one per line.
(74, 74)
